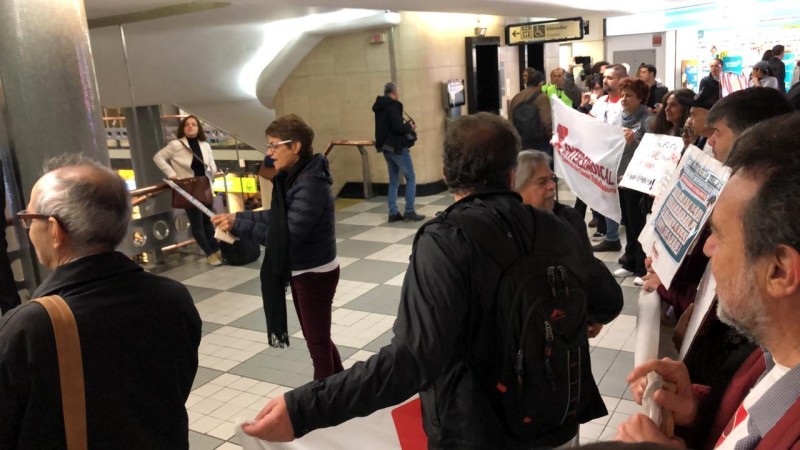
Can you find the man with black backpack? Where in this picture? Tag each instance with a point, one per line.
(529, 111)
(491, 329)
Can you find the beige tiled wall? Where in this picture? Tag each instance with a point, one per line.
(334, 88)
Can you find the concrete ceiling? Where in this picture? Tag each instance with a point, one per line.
(192, 53)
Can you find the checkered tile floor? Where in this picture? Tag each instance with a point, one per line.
(239, 372)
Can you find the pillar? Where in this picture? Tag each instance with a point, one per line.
(49, 95)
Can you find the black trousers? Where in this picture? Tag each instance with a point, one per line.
(202, 230)
(635, 207)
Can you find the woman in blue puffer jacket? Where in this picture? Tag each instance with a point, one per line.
(300, 239)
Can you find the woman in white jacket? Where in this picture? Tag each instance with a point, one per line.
(186, 157)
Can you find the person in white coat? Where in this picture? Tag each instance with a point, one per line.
(186, 157)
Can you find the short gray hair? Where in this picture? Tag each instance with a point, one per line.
(527, 163)
(389, 87)
(90, 201)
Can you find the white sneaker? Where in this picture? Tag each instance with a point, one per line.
(638, 281)
(622, 273)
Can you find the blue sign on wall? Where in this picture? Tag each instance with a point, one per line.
(732, 64)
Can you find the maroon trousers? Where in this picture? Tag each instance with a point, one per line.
(313, 298)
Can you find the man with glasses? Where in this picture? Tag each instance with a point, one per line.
(139, 333)
(537, 184)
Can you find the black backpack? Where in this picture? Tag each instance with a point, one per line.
(239, 253)
(526, 121)
(540, 310)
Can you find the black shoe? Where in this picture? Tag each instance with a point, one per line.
(396, 217)
(607, 246)
(413, 216)
(623, 259)
(598, 236)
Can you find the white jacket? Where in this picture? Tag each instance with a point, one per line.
(175, 159)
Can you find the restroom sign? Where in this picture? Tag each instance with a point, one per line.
(549, 31)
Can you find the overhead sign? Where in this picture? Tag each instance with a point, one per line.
(550, 31)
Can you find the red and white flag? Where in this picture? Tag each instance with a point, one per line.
(395, 428)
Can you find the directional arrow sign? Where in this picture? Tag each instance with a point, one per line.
(550, 31)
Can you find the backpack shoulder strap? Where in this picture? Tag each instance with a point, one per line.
(476, 219)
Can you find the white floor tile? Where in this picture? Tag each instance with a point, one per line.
(399, 253)
(384, 234)
(223, 277)
(367, 219)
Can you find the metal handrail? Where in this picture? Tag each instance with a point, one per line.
(364, 160)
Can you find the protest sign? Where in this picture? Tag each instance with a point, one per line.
(682, 210)
(706, 292)
(586, 154)
(656, 156)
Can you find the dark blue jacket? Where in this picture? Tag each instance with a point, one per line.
(310, 215)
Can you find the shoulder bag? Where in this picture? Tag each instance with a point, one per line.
(70, 370)
(197, 187)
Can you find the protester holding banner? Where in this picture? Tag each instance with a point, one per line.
(634, 204)
(609, 110)
(755, 258)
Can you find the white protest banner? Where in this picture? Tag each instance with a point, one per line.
(656, 156)
(586, 153)
(682, 211)
(395, 428)
(706, 291)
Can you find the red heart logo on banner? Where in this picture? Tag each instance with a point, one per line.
(562, 132)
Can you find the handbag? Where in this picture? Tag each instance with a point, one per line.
(197, 187)
(70, 370)
(409, 139)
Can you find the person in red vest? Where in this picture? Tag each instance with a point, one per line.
(755, 257)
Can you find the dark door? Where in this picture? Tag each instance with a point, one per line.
(483, 76)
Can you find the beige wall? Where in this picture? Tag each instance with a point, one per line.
(334, 88)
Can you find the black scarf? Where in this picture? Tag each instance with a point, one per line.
(276, 268)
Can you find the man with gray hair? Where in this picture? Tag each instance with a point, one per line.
(537, 184)
(139, 333)
(390, 132)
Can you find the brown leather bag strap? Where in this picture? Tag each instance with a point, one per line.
(70, 370)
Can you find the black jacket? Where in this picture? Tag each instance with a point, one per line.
(310, 215)
(444, 321)
(605, 296)
(139, 335)
(778, 69)
(389, 125)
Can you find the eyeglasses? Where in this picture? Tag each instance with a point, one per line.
(271, 147)
(26, 219)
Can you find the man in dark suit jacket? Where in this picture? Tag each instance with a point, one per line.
(777, 67)
(139, 333)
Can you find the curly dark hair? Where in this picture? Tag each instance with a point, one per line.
(201, 135)
(480, 151)
(294, 128)
(638, 87)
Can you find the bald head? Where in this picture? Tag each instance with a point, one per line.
(91, 202)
